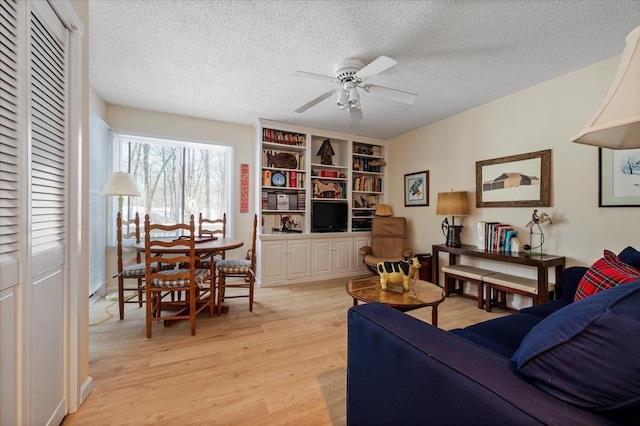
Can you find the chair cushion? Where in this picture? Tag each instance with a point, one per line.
(201, 276)
(207, 263)
(138, 270)
(605, 273)
(234, 266)
(630, 256)
(588, 353)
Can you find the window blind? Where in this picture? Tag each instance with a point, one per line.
(48, 133)
(98, 153)
(9, 144)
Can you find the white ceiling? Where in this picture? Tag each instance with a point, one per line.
(231, 60)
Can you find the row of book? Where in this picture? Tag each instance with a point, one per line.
(282, 223)
(285, 138)
(367, 184)
(367, 165)
(282, 160)
(495, 236)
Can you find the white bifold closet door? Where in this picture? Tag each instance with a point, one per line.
(48, 137)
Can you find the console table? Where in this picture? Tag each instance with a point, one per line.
(542, 262)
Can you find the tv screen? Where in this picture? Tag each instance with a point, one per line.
(329, 216)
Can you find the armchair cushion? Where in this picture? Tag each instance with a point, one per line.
(605, 323)
(388, 235)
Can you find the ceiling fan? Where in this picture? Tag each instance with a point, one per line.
(350, 74)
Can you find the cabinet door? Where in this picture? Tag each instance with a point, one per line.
(359, 264)
(321, 257)
(298, 259)
(342, 255)
(273, 262)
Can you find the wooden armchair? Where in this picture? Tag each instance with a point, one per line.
(184, 276)
(388, 235)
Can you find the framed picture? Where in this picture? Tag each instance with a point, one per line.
(619, 184)
(416, 189)
(522, 180)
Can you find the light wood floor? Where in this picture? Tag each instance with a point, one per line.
(284, 363)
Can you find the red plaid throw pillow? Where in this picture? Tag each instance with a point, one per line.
(607, 272)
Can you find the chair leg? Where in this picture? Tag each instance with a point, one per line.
(251, 282)
(149, 306)
(121, 296)
(192, 311)
(140, 290)
(221, 283)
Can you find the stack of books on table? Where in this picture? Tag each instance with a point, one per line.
(495, 236)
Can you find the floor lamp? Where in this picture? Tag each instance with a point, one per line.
(121, 184)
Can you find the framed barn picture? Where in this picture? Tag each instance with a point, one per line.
(522, 180)
(416, 189)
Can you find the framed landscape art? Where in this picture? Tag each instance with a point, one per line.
(416, 189)
(522, 180)
(619, 182)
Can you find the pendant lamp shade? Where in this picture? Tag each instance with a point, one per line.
(615, 123)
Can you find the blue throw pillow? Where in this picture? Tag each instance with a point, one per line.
(630, 256)
(588, 353)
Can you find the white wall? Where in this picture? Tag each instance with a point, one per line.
(541, 117)
(169, 126)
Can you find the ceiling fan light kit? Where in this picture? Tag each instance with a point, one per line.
(351, 74)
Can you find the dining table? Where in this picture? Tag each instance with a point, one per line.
(204, 245)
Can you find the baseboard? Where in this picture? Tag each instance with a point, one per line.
(86, 389)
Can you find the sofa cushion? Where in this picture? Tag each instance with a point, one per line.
(543, 310)
(605, 273)
(630, 256)
(588, 353)
(500, 335)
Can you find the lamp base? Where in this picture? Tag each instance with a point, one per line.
(453, 236)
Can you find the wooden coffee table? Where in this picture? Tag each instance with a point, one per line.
(420, 294)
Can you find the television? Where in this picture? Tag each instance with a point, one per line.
(329, 216)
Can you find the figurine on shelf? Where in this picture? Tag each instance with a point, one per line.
(287, 224)
(326, 153)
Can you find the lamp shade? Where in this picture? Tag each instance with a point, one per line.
(615, 123)
(383, 210)
(453, 203)
(121, 183)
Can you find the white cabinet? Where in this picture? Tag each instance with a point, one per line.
(283, 260)
(332, 256)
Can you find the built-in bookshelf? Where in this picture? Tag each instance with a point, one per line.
(283, 180)
(367, 180)
(300, 166)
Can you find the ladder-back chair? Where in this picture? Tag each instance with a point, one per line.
(243, 268)
(184, 276)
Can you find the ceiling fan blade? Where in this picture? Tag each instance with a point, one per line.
(396, 95)
(356, 114)
(375, 67)
(315, 101)
(314, 76)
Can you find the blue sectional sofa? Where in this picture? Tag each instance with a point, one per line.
(560, 363)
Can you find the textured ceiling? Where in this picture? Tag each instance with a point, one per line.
(231, 60)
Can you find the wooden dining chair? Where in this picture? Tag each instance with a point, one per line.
(215, 228)
(130, 229)
(243, 268)
(184, 276)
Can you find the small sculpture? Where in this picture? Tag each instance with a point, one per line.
(324, 190)
(537, 220)
(326, 153)
(398, 272)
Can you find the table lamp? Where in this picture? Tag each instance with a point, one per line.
(452, 204)
(121, 184)
(383, 210)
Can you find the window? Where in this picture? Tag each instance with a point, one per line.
(176, 178)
